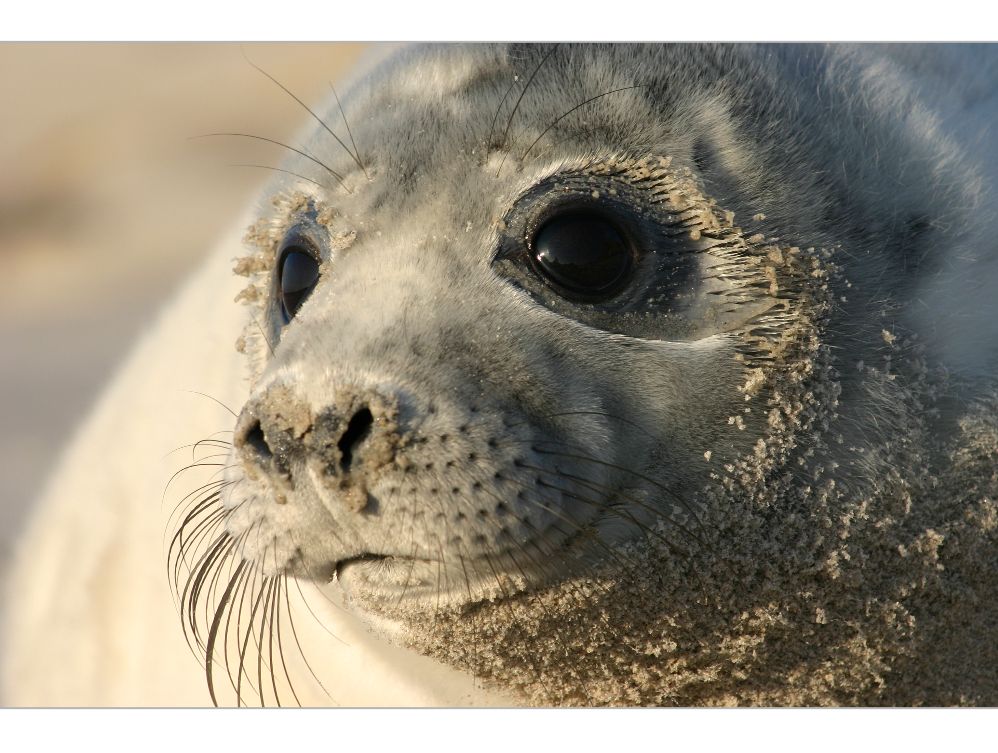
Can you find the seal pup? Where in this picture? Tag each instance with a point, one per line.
(583, 375)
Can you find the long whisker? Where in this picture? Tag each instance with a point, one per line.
(203, 530)
(519, 99)
(282, 587)
(647, 530)
(346, 122)
(268, 617)
(184, 470)
(559, 473)
(306, 155)
(217, 551)
(584, 457)
(623, 561)
(488, 142)
(631, 471)
(301, 653)
(242, 652)
(248, 586)
(280, 170)
(213, 399)
(213, 630)
(307, 108)
(562, 117)
(270, 345)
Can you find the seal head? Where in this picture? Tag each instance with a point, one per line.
(585, 373)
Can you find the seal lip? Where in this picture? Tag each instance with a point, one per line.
(373, 580)
(342, 565)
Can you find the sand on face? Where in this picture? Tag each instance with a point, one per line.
(95, 144)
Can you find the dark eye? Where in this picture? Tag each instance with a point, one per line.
(299, 272)
(583, 253)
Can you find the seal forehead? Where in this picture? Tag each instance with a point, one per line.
(417, 134)
(431, 73)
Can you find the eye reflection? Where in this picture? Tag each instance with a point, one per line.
(299, 273)
(583, 253)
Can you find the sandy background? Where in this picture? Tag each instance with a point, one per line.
(105, 204)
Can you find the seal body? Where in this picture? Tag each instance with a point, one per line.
(578, 375)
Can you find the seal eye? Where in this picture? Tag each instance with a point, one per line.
(583, 253)
(299, 272)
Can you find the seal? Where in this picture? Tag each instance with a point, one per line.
(578, 375)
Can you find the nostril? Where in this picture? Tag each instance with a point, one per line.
(357, 431)
(254, 439)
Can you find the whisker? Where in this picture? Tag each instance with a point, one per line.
(213, 399)
(581, 104)
(195, 503)
(268, 617)
(631, 471)
(186, 468)
(249, 577)
(306, 155)
(282, 587)
(245, 645)
(314, 615)
(202, 530)
(209, 441)
(410, 519)
(307, 108)
(575, 525)
(474, 625)
(559, 473)
(294, 634)
(664, 489)
(509, 122)
(270, 345)
(647, 530)
(213, 631)
(220, 547)
(280, 170)
(230, 561)
(346, 122)
(488, 142)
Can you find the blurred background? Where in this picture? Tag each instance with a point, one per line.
(106, 205)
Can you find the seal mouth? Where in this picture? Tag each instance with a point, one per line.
(343, 565)
(371, 579)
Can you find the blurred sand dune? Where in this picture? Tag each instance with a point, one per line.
(105, 204)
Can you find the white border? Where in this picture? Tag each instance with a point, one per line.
(485, 731)
(480, 20)
(481, 731)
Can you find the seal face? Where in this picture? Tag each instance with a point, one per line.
(525, 392)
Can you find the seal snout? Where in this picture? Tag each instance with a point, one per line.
(343, 446)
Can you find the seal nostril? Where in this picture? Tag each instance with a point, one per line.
(255, 440)
(357, 431)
